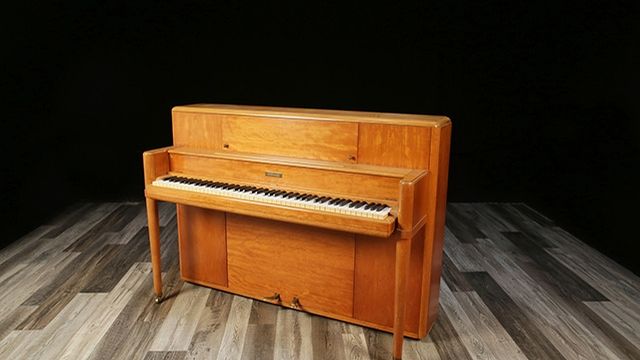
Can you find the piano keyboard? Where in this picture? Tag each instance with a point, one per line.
(281, 197)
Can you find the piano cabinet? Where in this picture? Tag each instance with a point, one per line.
(332, 273)
(382, 273)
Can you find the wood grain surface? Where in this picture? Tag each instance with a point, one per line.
(515, 287)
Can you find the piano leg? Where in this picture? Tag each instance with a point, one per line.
(154, 244)
(403, 257)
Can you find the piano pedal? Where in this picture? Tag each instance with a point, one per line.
(295, 304)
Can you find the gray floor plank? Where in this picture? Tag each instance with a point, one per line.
(522, 330)
(463, 226)
(11, 321)
(261, 331)
(355, 344)
(114, 222)
(211, 326)
(165, 355)
(131, 333)
(232, 343)
(446, 339)
(379, 344)
(293, 335)
(96, 326)
(560, 327)
(326, 338)
(624, 321)
(179, 325)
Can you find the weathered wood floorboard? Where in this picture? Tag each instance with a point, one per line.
(515, 286)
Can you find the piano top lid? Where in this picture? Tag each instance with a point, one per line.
(318, 114)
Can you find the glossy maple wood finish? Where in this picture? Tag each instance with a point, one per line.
(375, 280)
(293, 161)
(314, 265)
(394, 145)
(217, 110)
(293, 177)
(156, 163)
(202, 244)
(436, 210)
(197, 130)
(334, 141)
(430, 195)
(154, 246)
(399, 159)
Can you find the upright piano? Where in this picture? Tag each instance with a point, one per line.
(336, 213)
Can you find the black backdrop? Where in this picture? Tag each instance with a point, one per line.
(543, 96)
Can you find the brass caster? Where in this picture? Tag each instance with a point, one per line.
(158, 299)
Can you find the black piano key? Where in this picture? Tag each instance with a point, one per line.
(353, 204)
(343, 202)
(361, 204)
(368, 206)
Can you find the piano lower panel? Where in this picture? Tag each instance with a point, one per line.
(375, 279)
(202, 244)
(314, 265)
(335, 274)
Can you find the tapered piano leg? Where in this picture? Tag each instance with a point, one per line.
(403, 255)
(154, 245)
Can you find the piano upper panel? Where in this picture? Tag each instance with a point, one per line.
(332, 141)
(343, 136)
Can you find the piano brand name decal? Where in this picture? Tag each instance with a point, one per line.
(273, 174)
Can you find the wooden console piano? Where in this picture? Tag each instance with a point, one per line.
(337, 213)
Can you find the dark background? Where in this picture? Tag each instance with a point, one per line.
(543, 96)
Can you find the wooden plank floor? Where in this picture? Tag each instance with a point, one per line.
(515, 286)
